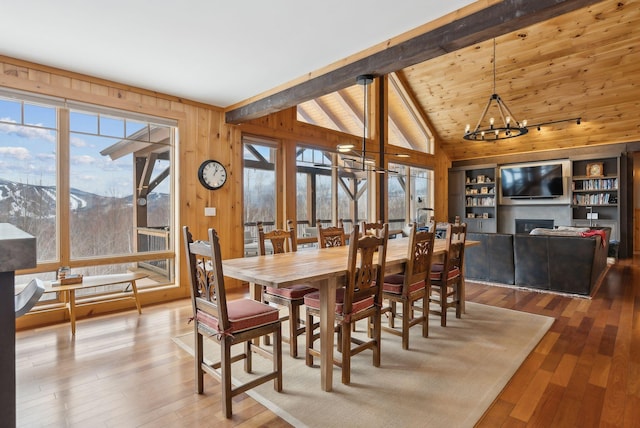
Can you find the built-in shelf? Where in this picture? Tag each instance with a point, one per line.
(595, 199)
(480, 199)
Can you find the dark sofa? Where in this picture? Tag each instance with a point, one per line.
(569, 264)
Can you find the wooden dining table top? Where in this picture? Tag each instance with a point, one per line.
(313, 264)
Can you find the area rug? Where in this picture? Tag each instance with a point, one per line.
(446, 380)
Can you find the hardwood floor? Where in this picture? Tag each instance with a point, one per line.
(123, 370)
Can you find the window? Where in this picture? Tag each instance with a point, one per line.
(407, 127)
(313, 191)
(316, 182)
(342, 111)
(410, 195)
(259, 181)
(352, 198)
(28, 172)
(93, 195)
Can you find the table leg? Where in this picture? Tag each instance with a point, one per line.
(134, 288)
(71, 306)
(255, 291)
(327, 320)
(463, 295)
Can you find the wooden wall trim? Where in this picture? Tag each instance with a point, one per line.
(586, 151)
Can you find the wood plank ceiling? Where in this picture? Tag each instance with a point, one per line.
(585, 63)
(582, 64)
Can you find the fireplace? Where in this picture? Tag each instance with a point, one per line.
(526, 225)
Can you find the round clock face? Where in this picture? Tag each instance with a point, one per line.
(212, 174)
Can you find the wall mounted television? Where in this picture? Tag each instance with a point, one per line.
(531, 182)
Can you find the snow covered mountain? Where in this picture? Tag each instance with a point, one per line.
(40, 201)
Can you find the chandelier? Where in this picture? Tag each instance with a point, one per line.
(507, 126)
(361, 158)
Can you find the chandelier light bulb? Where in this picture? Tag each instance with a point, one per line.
(467, 128)
(508, 120)
(491, 120)
(524, 123)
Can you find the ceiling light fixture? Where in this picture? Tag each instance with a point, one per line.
(510, 127)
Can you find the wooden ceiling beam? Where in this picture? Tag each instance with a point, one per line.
(493, 21)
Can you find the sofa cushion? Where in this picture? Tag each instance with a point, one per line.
(531, 257)
(476, 265)
(571, 264)
(565, 231)
(500, 258)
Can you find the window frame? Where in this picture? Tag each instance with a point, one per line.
(46, 269)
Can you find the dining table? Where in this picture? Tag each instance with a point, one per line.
(321, 268)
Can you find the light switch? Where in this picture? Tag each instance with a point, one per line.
(210, 211)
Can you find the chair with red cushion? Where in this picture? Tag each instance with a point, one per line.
(227, 322)
(447, 280)
(411, 286)
(292, 297)
(360, 298)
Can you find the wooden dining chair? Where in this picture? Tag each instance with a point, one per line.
(371, 228)
(332, 236)
(447, 280)
(411, 286)
(227, 322)
(360, 298)
(282, 241)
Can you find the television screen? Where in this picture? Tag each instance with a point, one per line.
(539, 181)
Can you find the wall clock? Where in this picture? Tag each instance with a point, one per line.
(212, 174)
(595, 169)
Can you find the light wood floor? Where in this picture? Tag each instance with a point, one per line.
(123, 370)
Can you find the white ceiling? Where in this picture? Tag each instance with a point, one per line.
(211, 51)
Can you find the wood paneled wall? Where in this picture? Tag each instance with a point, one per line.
(203, 134)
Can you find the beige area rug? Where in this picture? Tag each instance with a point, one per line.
(446, 380)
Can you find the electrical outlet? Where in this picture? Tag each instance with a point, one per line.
(210, 211)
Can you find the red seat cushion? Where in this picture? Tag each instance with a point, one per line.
(243, 314)
(294, 292)
(436, 272)
(393, 284)
(313, 301)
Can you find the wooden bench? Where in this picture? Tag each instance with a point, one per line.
(92, 282)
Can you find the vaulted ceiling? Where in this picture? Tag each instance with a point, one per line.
(555, 59)
(584, 63)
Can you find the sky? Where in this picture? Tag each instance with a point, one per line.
(28, 153)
